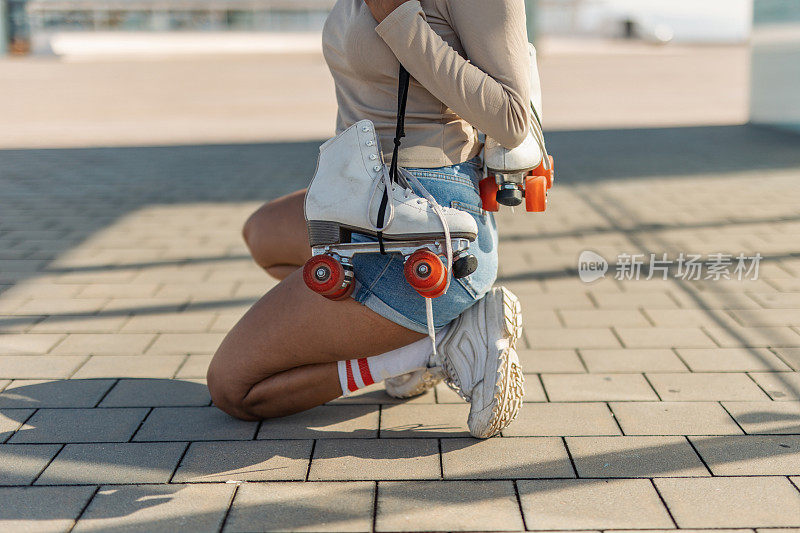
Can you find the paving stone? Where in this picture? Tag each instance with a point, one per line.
(224, 322)
(790, 356)
(650, 300)
(777, 300)
(130, 366)
(664, 338)
(674, 418)
(365, 459)
(536, 318)
(214, 462)
(707, 502)
(588, 318)
(52, 306)
(144, 306)
(766, 417)
(705, 387)
(122, 462)
(195, 366)
(597, 387)
(28, 343)
(293, 506)
(79, 425)
(779, 385)
(324, 422)
(731, 359)
(506, 458)
(79, 324)
(562, 419)
(149, 508)
(587, 504)
(104, 344)
(62, 393)
(21, 463)
(41, 509)
(185, 343)
(736, 337)
(193, 423)
(608, 457)
(169, 323)
(767, 317)
(552, 338)
(549, 361)
(18, 324)
(11, 420)
(675, 318)
(118, 290)
(750, 455)
(39, 366)
(157, 393)
(632, 360)
(422, 421)
(459, 505)
(376, 394)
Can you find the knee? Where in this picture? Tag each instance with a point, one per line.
(228, 395)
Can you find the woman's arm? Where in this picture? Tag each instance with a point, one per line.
(491, 90)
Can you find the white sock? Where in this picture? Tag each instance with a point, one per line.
(358, 373)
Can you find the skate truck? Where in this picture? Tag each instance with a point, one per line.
(522, 172)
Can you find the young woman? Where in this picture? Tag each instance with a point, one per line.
(295, 349)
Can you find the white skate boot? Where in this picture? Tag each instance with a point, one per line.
(525, 170)
(346, 196)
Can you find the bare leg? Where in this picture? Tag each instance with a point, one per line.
(281, 356)
(277, 237)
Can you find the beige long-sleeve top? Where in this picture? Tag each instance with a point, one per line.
(470, 71)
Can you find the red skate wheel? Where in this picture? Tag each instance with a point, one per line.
(426, 273)
(323, 274)
(535, 194)
(343, 293)
(488, 188)
(548, 174)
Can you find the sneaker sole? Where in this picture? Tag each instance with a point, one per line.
(510, 386)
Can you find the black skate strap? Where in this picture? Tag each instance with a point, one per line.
(400, 132)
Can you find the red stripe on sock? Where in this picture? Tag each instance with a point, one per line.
(351, 382)
(366, 375)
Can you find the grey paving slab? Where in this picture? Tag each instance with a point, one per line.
(296, 506)
(21, 463)
(326, 421)
(656, 337)
(505, 458)
(376, 394)
(766, 417)
(583, 338)
(149, 508)
(28, 343)
(185, 343)
(755, 337)
(79, 425)
(170, 322)
(11, 420)
(61, 393)
(791, 356)
(214, 462)
(629, 457)
(122, 462)
(79, 324)
(707, 502)
(597, 387)
(195, 366)
(459, 506)
(731, 359)
(750, 455)
(780, 386)
(104, 344)
(130, 366)
(39, 366)
(633, 360)
(586, 504)
(41, 509)
(422, 421)
(550, 361)
(562, 419)
(193, 423)
(674, 418)
(705, 387)
(157, 393)
(380, 459)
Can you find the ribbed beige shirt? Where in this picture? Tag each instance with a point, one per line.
(470, 69)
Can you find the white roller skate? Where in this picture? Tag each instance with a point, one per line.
(525, 171)
(346, 196)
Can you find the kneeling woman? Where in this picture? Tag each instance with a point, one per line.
(294, 349)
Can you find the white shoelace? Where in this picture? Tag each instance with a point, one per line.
(426, 197)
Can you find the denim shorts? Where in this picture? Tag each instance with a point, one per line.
(380, 282)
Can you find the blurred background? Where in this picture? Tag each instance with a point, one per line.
(142, 72)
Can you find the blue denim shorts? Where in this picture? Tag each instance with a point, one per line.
(380, 282)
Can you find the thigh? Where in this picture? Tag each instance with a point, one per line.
(276, 233)
(291, 326)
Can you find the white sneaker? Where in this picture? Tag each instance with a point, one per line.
(478, 360)
(411, 384)
(346, 191)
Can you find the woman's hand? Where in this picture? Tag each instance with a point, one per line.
(381, 8)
